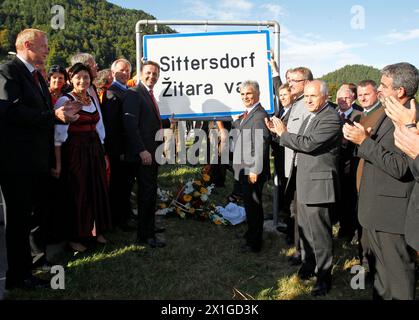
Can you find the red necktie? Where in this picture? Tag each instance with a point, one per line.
(342, 116)
(245, 114)
(156, 107)
(36, 77)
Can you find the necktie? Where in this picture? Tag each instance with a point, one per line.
(36, 77)
(342, 116)
(156, 107)
(245, 114)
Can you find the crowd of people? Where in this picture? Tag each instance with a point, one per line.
(86, 137)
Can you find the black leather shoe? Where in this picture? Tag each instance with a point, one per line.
(30, 283)
(152, 242)
(159, 230)
(320, 289)
(282, 227)
(305, 272)
(42, 265)
(295, 259)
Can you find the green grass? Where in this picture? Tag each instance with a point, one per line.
(201, 261)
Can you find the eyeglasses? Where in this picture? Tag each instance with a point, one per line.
(293, 80)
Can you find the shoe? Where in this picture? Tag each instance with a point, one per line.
(152, 242)
(30, 283)
(42, 265)
(295, 259)
(321, 288)
(101, 239)
(77, 247)
(159, 230)
(305, 272)
(282, 227)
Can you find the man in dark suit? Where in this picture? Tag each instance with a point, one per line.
(317, 149)
(141, 117)
(346, 212)
(121, 179)
(27, 145)
(407, 140)
(386, 185)
(253, 174)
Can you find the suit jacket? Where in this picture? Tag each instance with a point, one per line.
(255, 120)
(278, 151)
(26, 121)
(412, 217)
(370, 120)
(318, 150)
(296, 117)
(386, 181)
(348, 161)
(115, 140)
(141, 122)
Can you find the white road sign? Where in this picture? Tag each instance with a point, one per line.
(201, 72)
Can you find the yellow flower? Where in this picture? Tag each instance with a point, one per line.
(196, 194)
(187, 198)
(163, 206)
(178, 211)
(217, 221)
(206, 177)
(198, 183)
(203, 190)
(192, 210)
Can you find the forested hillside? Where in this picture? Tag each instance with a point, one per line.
(98, 27)
(350, 73)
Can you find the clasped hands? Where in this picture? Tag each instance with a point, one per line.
(356, 133)
(275, 125)
(406, 135)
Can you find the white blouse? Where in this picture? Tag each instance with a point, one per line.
(61, 129)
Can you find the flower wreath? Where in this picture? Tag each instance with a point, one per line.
(192, 199)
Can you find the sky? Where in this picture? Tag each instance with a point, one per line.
(323, 35)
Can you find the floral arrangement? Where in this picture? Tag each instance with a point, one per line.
(192, 199)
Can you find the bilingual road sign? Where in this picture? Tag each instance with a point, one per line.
(201, 73)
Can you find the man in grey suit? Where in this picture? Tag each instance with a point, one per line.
(298, 78)
(386, 185)
(317, 147)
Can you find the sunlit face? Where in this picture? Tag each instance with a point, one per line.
(150, 75)
(249, 96)
(38, 49)
(386, 89)
(313, 97)
(344, 100)
(367, 96)
(93, 67)
(285, 97)
(81, 81)
(296, 83)
(121, 73)
(57, 81)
